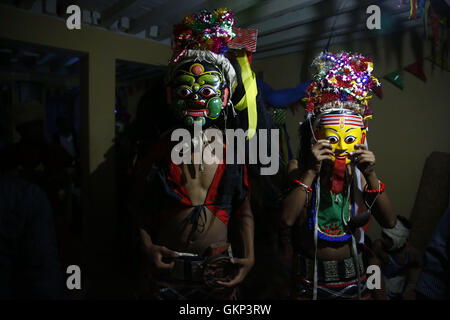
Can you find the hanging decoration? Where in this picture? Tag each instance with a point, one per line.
(435, 26)
(424, 9)
(395, 78)
(279, 101)
(282, 98)
(416, 69)
(412, 11)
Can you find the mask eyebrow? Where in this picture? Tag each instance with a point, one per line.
(209, 79)
(333, 129)
(350, 129)
(184, 79)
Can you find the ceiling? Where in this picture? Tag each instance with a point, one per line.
(284, 26)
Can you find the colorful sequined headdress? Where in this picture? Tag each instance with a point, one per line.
(204, 31)
(342, 81)
(204, 36)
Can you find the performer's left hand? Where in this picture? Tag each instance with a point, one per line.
(364, 160)
(245, 265)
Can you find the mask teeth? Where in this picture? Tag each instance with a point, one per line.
(195, 113)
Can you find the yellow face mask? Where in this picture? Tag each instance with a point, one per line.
(343, 131)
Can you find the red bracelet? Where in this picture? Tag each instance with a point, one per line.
(375, 190)
(308, 189)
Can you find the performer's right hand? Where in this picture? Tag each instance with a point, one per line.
(320, 151)
(157, 254)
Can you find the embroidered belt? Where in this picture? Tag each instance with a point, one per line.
(328, 270)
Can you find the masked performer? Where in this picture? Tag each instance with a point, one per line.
(320, 203)
(190, 207)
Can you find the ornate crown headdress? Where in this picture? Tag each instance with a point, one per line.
(204, 31)
(204, 36)
(343, 82)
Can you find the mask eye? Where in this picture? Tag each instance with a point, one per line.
(183, 92)
(350, 139)
(207, 92)
(333, 139)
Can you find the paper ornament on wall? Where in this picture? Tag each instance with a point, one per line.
(395, 78)
(417, 70)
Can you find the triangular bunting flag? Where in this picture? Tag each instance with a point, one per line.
(417, 70)
(396, 78)
(378, 91)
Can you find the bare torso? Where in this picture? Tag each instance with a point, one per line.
(176, 232)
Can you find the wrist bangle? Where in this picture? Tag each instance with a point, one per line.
(301, 184)
(379, 190)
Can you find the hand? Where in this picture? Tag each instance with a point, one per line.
(320, 151)
(364, 160)
(245, 265)
(155, 255)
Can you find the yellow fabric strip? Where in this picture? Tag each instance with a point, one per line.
(249, 99)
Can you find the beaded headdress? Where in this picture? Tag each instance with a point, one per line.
(204, 36)
(204, 31)
(343, 81)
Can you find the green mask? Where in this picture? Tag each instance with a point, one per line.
(198, 93)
